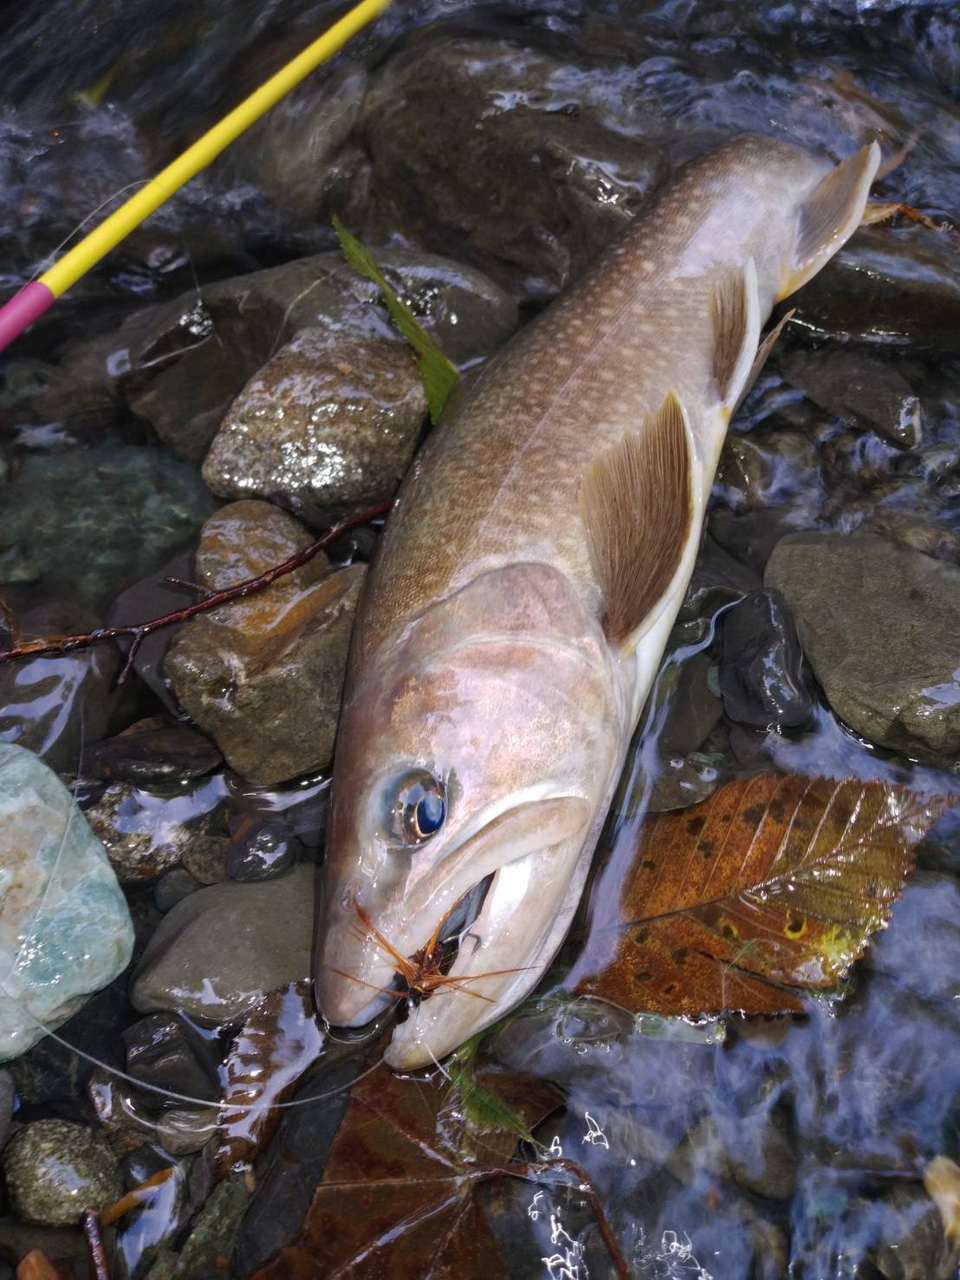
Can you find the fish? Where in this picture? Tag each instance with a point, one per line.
(530, 571)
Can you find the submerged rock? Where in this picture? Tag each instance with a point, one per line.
(65, 930)
(263, 675)
(863, 391)
(761, 674)
(146, 833)
(541, 182)
(53, 705)
(54, 1170)
(889, 287)
(879, 624)
(90, 519)
(333, 424)
(218, 952)
(154, 750)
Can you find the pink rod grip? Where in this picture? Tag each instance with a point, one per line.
(22, 309)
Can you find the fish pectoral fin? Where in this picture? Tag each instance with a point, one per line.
(735, 312)
(762, 356)
(832, 214)
(636, 503)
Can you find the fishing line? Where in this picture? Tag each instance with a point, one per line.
(51, 257)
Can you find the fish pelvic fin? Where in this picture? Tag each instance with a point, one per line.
(831, 215)
(735, 313)
(636, 503)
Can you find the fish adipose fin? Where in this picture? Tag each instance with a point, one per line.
(637, 509)
(831, 215)
(735, 313)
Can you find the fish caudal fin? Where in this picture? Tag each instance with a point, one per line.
(735, 312)
(636, 503)
(831, 214)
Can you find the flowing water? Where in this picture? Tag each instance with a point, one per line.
(514, 139)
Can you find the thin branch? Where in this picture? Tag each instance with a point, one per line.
(99, 1267)
(138, 631)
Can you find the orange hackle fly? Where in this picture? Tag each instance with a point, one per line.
(422, 973)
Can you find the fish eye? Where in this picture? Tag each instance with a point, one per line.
(419, 809)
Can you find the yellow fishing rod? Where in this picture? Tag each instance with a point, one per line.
(33, 300)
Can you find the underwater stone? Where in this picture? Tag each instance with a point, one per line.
(761, 674)
(329, 423)
(55, 1170)
(65, 930)
(879, 625)
(219, 951)
(862, 390)
(92, 519)
(264, 675)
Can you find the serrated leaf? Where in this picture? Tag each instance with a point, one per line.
(771, 883)
(438, 375)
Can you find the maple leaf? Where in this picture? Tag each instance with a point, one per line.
(772, 882)
(398, 1195)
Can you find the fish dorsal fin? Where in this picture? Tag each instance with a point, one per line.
(831, 214)
(735, 312)
(636, 504)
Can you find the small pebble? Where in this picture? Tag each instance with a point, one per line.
(54, 1170)
(261, 850)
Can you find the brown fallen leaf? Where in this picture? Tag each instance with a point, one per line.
(37, 1266)
(399, 1191)
(772, 882)
(277, 1043)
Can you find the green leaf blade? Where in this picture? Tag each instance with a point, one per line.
(438, 375)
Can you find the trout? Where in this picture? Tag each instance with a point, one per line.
(527, 581)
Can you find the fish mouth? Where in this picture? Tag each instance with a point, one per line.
(469, 946)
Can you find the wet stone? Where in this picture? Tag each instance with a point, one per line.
(329, 422)
(218, 952)
(160, 1053)
(264, 675)
(261, 850)
(693, 710)
(92, 519)
(145, 833)
(54, 1170)
(8, 1093)
(878, 624)
(761, 672)
(153, 750)
(180, 365)
(888, 286)
(52, 705)
(862, 390)
(541, 182)
(684, 780)
(173, 887)
(65, 929)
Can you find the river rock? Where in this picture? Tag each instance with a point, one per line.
(541, 182)
(53, 705)
(863, 391)
(65, 930)
(160, 1053)
(879, 624)
(146, 833)
(261, 849)
(218, 952)
(54, 1170)
(761, 673)
(179, 365)
(264, 675)
(8, 1094)
(888, 286)
(153, 750)
(91, 519)
(331, 424)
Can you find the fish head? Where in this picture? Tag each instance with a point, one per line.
(473, 768)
